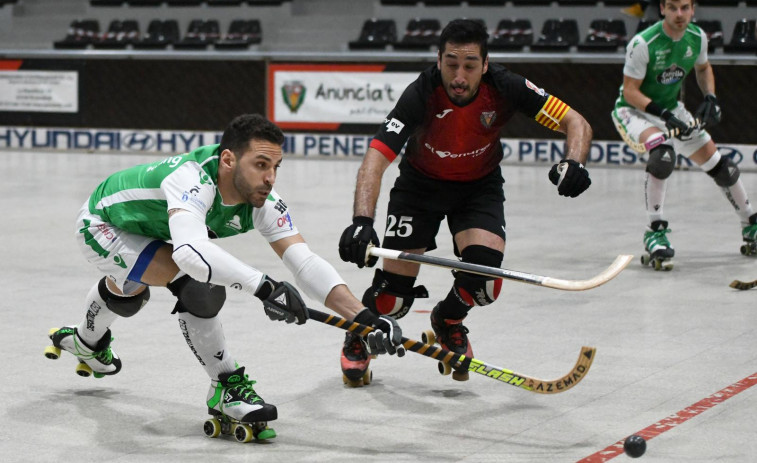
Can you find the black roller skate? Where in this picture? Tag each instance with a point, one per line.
(237, 410)
(97, 361)
(659, 250)
(749, 233)
(355, 361)
(451, 335)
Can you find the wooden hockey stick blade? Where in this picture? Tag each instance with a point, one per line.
(743, 285)
(566, 285)
(461, 362)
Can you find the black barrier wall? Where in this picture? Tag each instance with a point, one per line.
(205, 95)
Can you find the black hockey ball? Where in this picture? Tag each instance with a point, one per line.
(635, 446)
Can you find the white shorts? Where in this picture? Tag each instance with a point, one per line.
(120, 255)
(631, 123)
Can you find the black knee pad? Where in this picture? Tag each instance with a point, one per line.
(202, 300)
(124, 306)
(662, 161)
(725, 173)
(478, 289)
(392, 294)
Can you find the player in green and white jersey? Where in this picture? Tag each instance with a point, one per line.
(658, 60)
(152, 224)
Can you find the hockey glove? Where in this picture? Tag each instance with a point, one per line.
(570, 177)
(282, 301)
(672, 123)
(386, 337)
(353, 244)
(709, 111)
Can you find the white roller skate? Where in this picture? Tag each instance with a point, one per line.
(237, 410)
(659, 250)
(749, 233)
(97, 361)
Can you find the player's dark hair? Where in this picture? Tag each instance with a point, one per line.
(247, 127)
(461, 31)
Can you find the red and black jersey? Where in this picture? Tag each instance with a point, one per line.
(461, 143)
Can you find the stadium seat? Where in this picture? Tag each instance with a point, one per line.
(144, 2)
(81, 34)
(512, 34)
(184, 2)
(119, 35)
(743, 39)
(442, 2)
(531, 2)
(486, 2)
(375, 35)
(420, 35)
(265, 2)
(242, 33)
(160, 34)
(577, 2)
(718, 2)
(224, 2)
(643, 24)
(557, 35)
(107, 2)
(624, 2)
(399, 2)
(200, 34)
(714, 30)
(605, 35)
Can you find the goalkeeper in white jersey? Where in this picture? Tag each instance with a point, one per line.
(215, 191)
(658, 60)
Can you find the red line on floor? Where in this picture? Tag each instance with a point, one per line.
(675, 419)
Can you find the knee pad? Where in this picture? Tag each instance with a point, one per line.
(725, 173)
(478, 289)
(392, 294)
(124, 306)
(202, 300)
(662, 160)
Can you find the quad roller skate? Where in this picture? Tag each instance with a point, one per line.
(749, 233)
(98, 361)
(659, 250)
(355, 361)
(451, 335)
(237, 410)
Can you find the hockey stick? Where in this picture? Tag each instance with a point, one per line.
(567, 285)
(743, 285)
(657, 139)
(461, 362)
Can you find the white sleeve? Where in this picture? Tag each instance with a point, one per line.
(311, 272)
(637, 58)
(272, 220)
(703, 58)
(205, 261)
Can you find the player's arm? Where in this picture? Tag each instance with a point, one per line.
(578, 136)
(632, 93)
(368, 184)
(709, 110)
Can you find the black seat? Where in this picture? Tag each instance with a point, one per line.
(643, 24)
(200, 34)
(160, 34)
(144, 2)
(486, 2)
(625, 2)
(531, 2)
(184, 2)
(442, 2)
(714, 30)
(577, 2)
(420, 34)
(557, 35)
(224, 2)
(376, 34)
(399, 2)
(119, 35)
(106, 2)
(81, 34)
(242, 33)
(605, 35)
(265, 2)
(718, 2)
(512, 34)
(743, 39)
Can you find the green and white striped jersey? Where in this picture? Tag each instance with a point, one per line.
(663, 63)
(138, 199)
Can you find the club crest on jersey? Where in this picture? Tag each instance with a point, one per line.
(533, 87)
(487, 118)
(671, 75)
(293, 94)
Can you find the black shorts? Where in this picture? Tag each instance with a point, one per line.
(418, 204)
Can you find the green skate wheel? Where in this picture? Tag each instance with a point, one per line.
(212, 427)
(243, 433)
(52, 352)
(98, 375)
(82, 369)
(266, 433)
(444, 368)
(428, 337)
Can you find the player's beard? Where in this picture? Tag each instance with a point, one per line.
(254, 195)
(461, 98)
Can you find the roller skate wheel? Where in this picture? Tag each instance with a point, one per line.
(212, 427)
(52, 352)
(428, 337)
(263, 432)
(367, 377)
(98, 375)
(645, 260)
(82, 369)
(444, 369)
(351, 382)
(52, 332)
(460, 375)
(243, 433)
(657, 264)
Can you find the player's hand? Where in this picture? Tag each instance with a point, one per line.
(709, 111)
(570, 177)
(353, 245)
(282, 301)
(386, 337)
(674, 125)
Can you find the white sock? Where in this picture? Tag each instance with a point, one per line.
(738, 198)
(654, 195)
(98, 318)
(205, 338)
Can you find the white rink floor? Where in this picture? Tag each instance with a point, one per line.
(665, 340)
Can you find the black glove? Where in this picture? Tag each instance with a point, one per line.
(353, 244)
(673, 123)
(570, 177)
(386, 337)
(709, 111)
(282, 301)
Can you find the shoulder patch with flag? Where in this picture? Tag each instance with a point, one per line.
(552, 113)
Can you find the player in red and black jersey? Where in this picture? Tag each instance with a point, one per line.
(451, 118)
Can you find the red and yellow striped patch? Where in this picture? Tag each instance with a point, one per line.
(552, 113)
